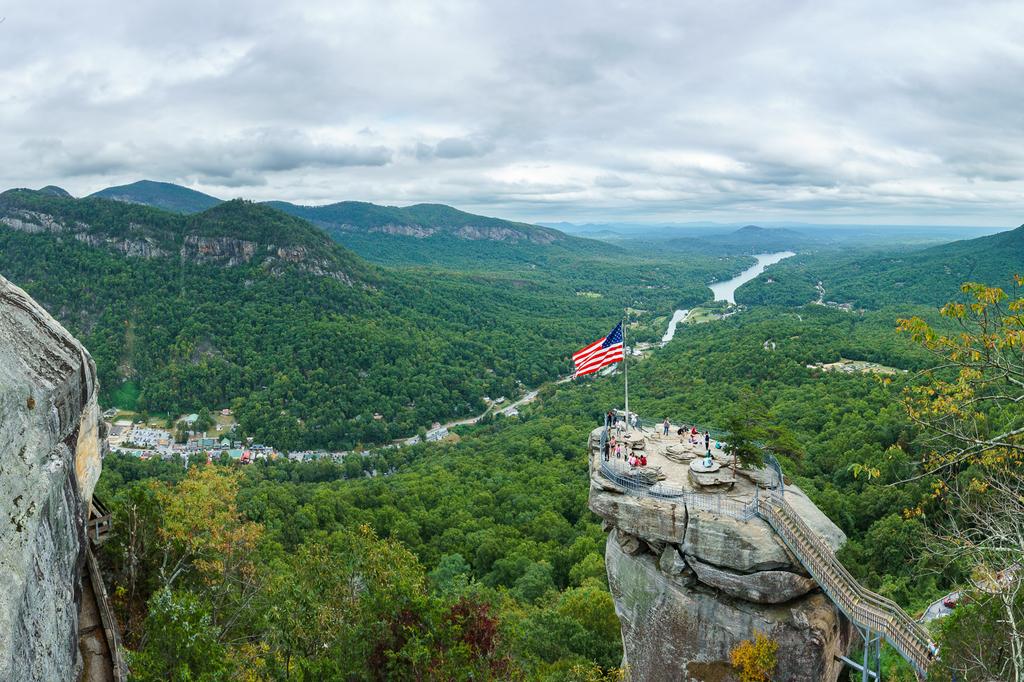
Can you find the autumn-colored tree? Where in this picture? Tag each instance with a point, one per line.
(973, 416)
(208, 544)
(970, 413)
(755, 660)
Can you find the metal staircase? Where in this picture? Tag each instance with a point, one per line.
(874, 616)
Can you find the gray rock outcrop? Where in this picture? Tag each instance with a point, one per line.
(692, 578)
(50, 459)
(676, 628)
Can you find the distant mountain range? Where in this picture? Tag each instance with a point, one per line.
(898, 276)
(165, 195)
(420, 220)
(747, 239)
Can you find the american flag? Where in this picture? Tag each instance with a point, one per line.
(602, 352)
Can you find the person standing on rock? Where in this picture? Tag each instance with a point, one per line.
(707, 441)
(664, 427)
(607, 449)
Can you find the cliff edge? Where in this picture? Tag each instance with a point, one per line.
(694, 572)
(50, 459)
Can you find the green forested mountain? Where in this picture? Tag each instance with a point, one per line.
(442, 236)
(420, 220)
(55, 191)
(165, 195)
(748, 239)
(244, 306)
(872, 278)
(422, 234)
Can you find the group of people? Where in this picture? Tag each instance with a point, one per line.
(695, 436)
(618, 421)
(621, 450)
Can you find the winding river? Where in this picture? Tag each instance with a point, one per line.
(724, 291)
(677, 317)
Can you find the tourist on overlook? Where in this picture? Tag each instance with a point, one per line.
(665, 426)
(707, 441)
(618, 451)
(607, 449)
(633, 420)
(609, 419)
(642, 460)
(632, 460)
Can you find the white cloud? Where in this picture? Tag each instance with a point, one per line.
(873, 111)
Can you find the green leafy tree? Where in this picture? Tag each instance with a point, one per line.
(181, 642)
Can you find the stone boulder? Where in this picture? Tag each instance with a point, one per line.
(675, 631)
(647, 517)
(762, 587)
(728, 542)
(694, 575)
(50, 461)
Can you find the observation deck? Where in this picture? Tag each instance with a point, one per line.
(686, 493)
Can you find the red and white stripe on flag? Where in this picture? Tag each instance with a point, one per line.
(595, 356)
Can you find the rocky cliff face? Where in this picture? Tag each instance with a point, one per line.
(690, 584)
(35, 222)
(160, 236)
(50, 458)
(469, 232)
(230, 252)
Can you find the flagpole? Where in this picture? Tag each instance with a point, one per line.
(625, 371)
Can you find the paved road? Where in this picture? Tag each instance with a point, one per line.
(529, 397)
(937, 610)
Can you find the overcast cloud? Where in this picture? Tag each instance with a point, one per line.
(903, 112)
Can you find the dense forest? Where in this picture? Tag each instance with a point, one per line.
(496, 525)
(876, 276)
(307, 350)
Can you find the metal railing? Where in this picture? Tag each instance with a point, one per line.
(864, 608)
(625, 477)
(773, 463)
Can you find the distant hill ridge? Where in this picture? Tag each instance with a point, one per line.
(419, 220)
(165, 195)
(230, 233)
(929, 276)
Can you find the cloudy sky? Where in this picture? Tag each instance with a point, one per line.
(881, 112)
